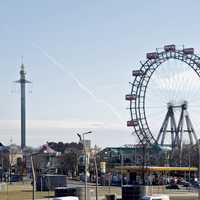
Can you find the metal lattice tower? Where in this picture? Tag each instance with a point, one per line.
(177, 131)
(23, 82)
(168, 126)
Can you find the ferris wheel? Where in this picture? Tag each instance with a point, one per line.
(143, 79)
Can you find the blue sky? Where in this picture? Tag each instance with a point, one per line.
(79, 56)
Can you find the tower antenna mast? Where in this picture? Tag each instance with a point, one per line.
(22, 81)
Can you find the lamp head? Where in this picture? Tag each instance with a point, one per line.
(87, 132)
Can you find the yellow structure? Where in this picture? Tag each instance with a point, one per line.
(155, 169)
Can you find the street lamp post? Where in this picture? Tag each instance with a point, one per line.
(33, 174)
(86, 160)
(97, 177)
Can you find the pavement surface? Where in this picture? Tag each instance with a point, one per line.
(182, 194)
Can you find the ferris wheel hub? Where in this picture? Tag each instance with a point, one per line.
(183, 104)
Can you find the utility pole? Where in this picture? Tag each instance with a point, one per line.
(22, 81)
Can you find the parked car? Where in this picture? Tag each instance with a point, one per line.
(156, 197)
(66, 198)
(82, 177)
(186, 184)
(196, 184)
(172, 186)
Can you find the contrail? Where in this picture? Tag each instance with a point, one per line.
(79, 83)
(98, 100)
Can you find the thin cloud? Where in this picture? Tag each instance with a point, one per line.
(58, 124)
